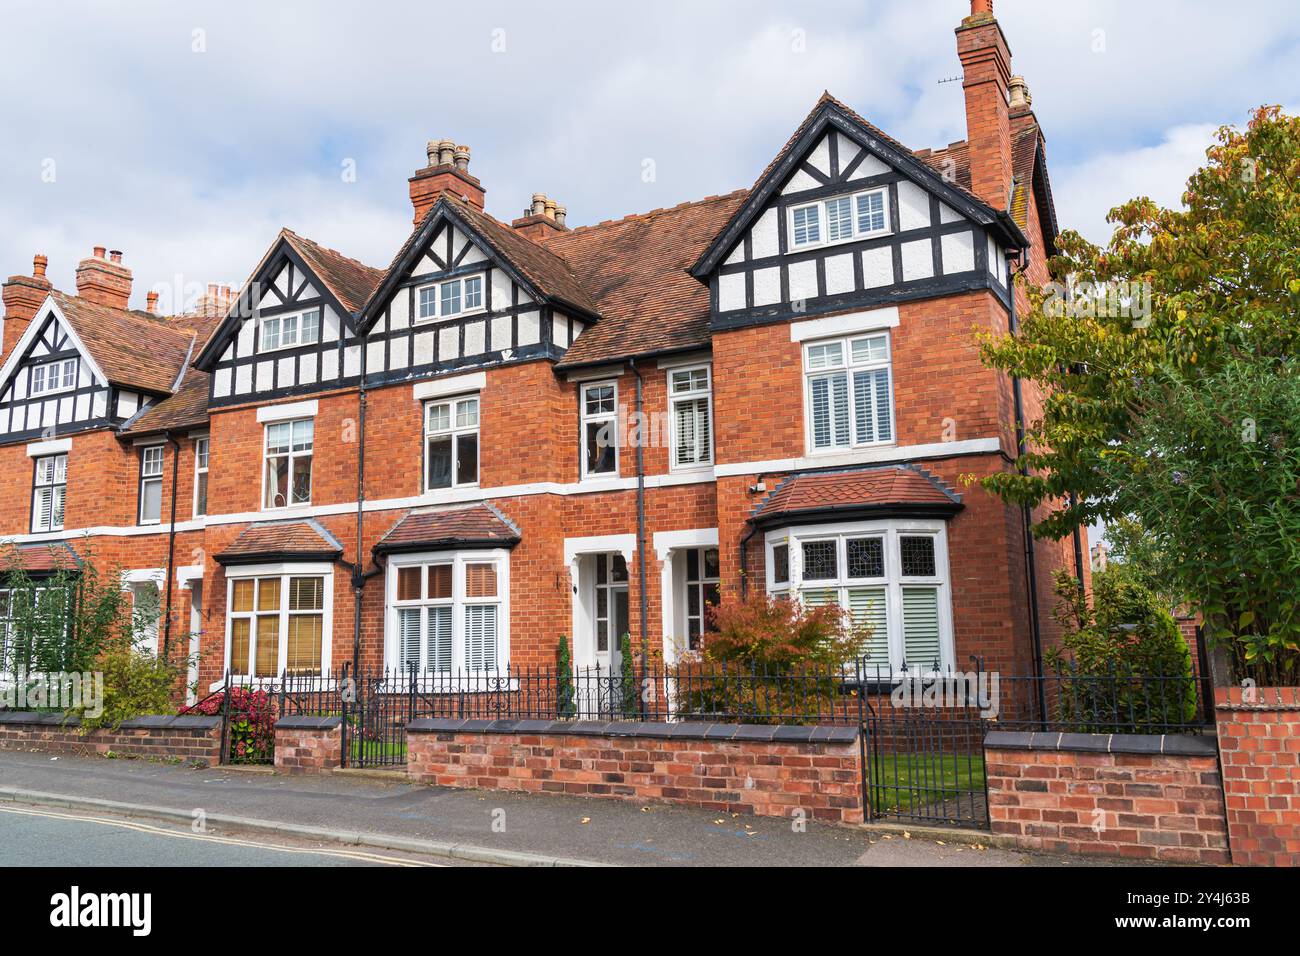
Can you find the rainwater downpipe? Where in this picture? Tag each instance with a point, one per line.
(358, 577)
(1031, 571)
(171, 546)
(640, 515)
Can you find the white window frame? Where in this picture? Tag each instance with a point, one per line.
(699, 585)
(454, 432)
(893, 582)
(148, 476)
(7, 629)
(459, 676)
(436, 289)
(584, 419)
(290, 456)
(856, 234)
(54, 484)
(847, 367)
(281, 341)
(284, 572)
(201, 462)
(690, 395)
(61, 368)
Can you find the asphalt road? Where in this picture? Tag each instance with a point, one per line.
(35, 836)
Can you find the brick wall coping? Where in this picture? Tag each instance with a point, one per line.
(686, 730)
(308, 723)
(151, 722)
(1183, 745)
(1265, 698)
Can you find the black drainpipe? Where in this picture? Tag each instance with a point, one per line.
(171, 545)
(1031, 570)
(358, 576)
(640, 515)
(1078, 548)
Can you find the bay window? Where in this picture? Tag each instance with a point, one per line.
(849, 393)
(451, 443)
(49, 491)
(448, 612)
(278, 622)
(288, 463)
(690, 395)
(891, 577)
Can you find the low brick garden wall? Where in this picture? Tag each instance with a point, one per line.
(1259, 737)
(763, 770)
(1150, 797)
(192, 738)
(308, 744)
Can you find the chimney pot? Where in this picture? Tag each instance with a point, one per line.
(115, 256)
(550, 208)
(431, 151)
(461, 158)
(99, 252)
(39, 263)
(446, 152)
(1021, 98)
(539, 204)
(978, 7)
(560, 213)
(151, 302)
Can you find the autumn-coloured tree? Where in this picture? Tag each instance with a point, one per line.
(1168, 383)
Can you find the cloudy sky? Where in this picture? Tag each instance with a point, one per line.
(186, 134)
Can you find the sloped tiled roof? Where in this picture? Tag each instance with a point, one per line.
(637, 269)
(188, 408)
(39, 558)
(350, 281)
(134, 349)
(902, 486)
(478, 524)
(304, 540)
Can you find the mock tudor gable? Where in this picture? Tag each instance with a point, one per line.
(845, 217)
(80, 365)
(292, 327)
(466, 291)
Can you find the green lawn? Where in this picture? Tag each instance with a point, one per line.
(375, 749)
(936, 779)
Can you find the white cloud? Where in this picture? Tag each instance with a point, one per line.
(190, 161)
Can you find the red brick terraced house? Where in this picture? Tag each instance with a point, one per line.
(517, 431)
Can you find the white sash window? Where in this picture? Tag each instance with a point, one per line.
(448, 612)
(850, 401)
(49, 492)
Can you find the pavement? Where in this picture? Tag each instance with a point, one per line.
(388, 815)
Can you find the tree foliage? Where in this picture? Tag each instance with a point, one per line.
(1129, 426)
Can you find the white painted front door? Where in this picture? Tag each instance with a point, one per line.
(611, 610)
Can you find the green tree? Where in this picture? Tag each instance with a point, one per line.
(1178, 308)
(627, 677)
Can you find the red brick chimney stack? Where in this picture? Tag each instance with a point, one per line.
(151, 302)
(543, 218)
(447, 171)
(104, 281)
(22, 296)
(986, 66)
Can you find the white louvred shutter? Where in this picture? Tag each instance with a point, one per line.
(408, 631)
(867, 610)
(692, 431)
(884, 410)
(439, 639)
(840, 407)
(921, 627)
(480, 637)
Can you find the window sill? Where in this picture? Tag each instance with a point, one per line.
(849, 449)
(434, 319)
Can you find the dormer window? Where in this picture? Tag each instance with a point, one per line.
(839, 219)
(286, 331)
(443, 300)
(54, 377)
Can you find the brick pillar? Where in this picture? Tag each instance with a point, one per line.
(308, 744)
(1259, 747)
